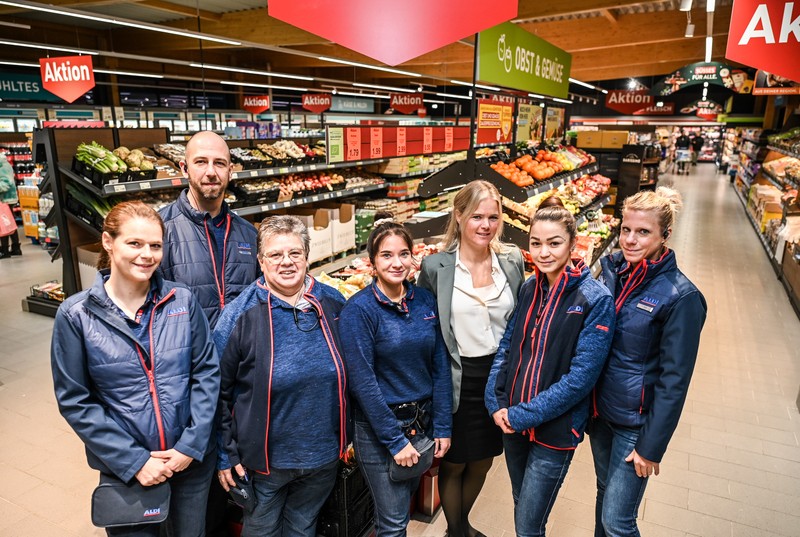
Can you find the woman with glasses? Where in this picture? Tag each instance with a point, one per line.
(283, 388)
(399, 376)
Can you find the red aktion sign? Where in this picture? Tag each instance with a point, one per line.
(255, 104)
(406, 103)
(628, 102)
(317, 102)
(766, 34)
(666, 109)
(494, 121)
(67, 77)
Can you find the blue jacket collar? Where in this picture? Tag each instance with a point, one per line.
(198, 217)
(382, 299)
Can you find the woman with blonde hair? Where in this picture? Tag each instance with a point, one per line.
(476, 280)
(640, 394)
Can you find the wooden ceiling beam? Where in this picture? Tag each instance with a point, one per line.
(538, 9)
(609, 16)
(74, 4)
(169, 7)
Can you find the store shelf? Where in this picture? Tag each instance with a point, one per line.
(651, 161)
(611, 243)
(770, 255)
(269, 172)
(42, 306)
(418, 173)
(404, 198)
(786, 152)
(561, 179)
(257, 209)
(594, 206)
(123, 188)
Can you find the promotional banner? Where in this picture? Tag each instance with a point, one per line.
(494, 121)
(554, 124)
(511, 57)
(529, 122)
(23, 87)
(68, 77)
(766, 35)
(317, 102)
(349, 104)
(715, 73)
(703, 109)
(393, 32)
(406, 103)
(770, 84)
(255, 104)
(666, 109)
(628, 102)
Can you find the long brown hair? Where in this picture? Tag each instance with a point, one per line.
(120, 215)
(464, 204)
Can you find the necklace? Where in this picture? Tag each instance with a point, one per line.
(399, 299)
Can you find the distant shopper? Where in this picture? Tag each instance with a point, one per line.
(399, 375)
(476, 281)
(683, 141)
(640, 395)
(683, 154)
(283, 399)
(552, 352)
(8, 197)
(206, 246)
(136, 375)
(697, 147)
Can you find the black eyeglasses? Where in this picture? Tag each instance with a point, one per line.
(306, 321)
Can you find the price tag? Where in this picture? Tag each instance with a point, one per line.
(376, 142)
(283, 170)
(401, 141)
(353, 139)
(448, 139)
(314, 198)
(427, 140)
(265, 208)
(119, 188)
(176, 182)
(144, 185)
(312, 167)
(253, 173)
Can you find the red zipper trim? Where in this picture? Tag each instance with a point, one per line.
(521, 345)
(549, 310)
(641, 404)
(220, 285)
(269, 384)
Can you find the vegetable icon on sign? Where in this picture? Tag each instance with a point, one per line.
(504, 53)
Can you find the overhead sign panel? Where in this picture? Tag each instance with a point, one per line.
(68, 77)
(511, 57)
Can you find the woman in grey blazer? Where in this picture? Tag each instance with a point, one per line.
(476, 280)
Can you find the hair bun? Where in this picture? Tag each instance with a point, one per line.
(551, 201)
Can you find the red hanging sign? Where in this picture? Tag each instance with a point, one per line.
(401, 141)
(628, 102)
(406, 103)
(766, 34)
(353, 143)
(376, 142)
(255, 104)
(394, 32)
(666, 109)
(494, 121)
(67, 77)
(317, 102)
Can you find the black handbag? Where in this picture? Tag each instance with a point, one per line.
(115, 503)
(415, 422)
(243, 494)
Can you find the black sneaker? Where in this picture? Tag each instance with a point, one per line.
(16, 251)
(4, 255)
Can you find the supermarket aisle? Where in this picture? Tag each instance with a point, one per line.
(732, 470)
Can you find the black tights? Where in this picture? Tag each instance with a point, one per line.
(14, 242)
(459, 486)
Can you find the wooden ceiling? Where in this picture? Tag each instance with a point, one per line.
(608, 40)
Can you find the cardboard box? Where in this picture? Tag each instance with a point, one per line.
(318, 222)
(343, 226)
(614, 139)
(590, 139)
(87, 263)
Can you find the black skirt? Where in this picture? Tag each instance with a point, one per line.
(475, 435)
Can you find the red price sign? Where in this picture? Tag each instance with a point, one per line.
(448, 139)
(427, 140)
(401, 141)
(353, 140)
(376, 143)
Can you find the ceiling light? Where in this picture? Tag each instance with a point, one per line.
(482, 86)
(709, 44)
(21, 64)
(464, 97)
(254, 85)
(248, 71)
(387, 88)
(705, 84)
(128, 73)
(364, 65)
(659, 104)
(334, 91)
(604, 91)
(536, 96)
(710, 5)
(433, 101)
(686, 5)
(419, 89)
(541, 105)
(15, 25)
(434, 106)
(632, 83)
(556, 99)
(584, 84)
(46, 47)
(705, 93)
(370, 95)
(689, 30)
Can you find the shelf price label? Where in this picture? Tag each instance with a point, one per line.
(427, 140)
(401, 141)
(353, 144)
(448, 139)
(335, 144)
(376, 142)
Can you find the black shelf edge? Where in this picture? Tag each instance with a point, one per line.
(428, 227)
(561, 179)
(267, 207)
(409, 175)
(270, 172)
(82, 223)
(786, 152)
(42, 306)
(127, 187)
(612, 242)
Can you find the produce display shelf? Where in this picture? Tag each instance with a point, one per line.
(269, 172)
(611, 243)
(594, 206)
(336, 264)
(770, 256)
(774, 180)
(651, 161)
(418, 173)
(42, 306)
(492, 144)
(257, 209)
(746, 139)
(750, 156)
(786, 152)
(562, 179)
(81, 222)
(404, 198)
(124, 188)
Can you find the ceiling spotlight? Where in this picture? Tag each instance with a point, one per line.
(434, 106)
(334, 91)
(419, 89)
(686, 5)
(659, 104)
(541, 105)
(632, 83)
(705, 84)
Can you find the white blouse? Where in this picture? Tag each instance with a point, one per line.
(478, 316)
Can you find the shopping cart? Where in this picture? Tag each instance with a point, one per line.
(683, 158)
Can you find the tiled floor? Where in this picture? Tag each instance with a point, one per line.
(732, 470)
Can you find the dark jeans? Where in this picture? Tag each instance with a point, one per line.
(536, 473)
(189, 491)
(619, 489)
(289, 501)
(392, 498)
